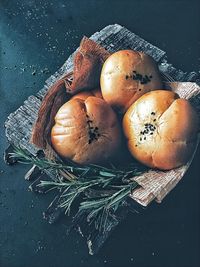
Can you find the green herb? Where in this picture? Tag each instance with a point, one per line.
(99, 190)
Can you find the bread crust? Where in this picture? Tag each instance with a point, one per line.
(169, 137)
(127, 75)
(86, 131)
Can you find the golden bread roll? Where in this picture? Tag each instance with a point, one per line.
(127, 75)
(161, 130)
(86, 131)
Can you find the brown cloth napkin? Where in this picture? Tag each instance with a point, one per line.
(88, 61)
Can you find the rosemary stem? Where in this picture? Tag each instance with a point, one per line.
(109, 186)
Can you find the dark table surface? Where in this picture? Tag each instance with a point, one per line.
(35, 35)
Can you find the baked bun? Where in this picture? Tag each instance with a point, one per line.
(127, 75)
(86, 131)
(161, 130)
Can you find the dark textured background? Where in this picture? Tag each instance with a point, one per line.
(35, 35)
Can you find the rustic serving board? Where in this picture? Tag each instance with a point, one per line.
(113, 37)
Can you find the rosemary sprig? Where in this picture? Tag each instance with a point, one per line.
(100, 190)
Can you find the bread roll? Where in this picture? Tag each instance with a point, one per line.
(86, 131)
(161, 130)
(127, 75)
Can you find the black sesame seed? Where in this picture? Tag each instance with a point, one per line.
(151, 133)
(139, 76)
(140, 89)
(153, 113)
(127, 77)
(147, 78)
(154, 120)
(144, 138)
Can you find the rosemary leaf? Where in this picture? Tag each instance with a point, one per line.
(99, 190)
(107, 174)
